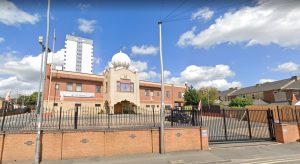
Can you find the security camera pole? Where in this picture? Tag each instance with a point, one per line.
(162, 109)
(40, 115)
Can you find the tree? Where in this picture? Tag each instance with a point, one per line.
(240, 102)
(191, 96)
(210, 94)
(33, 98)
(27, 100)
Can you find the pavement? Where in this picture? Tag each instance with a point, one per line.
(233, 153)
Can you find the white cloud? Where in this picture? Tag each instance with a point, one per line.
(261, 81)
(83, 6)
(97, 60)
(23, 74)
(149, 76)
(287, 67)
(144, 50)
(202, 13)
(139, 66)
(86, 26)
(203, 76)
(221, 84)
(269, 22)
(2, 40)
(198, 76)
(11, 15)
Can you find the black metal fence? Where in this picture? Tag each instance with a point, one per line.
(223, 125)
(80, 118)
(239, 125)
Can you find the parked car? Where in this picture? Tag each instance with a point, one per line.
(179, 118)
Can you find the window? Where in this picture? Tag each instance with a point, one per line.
(55, 104)
(179, 95)
(56, 86)
(125, 86)
(146, 92)
(78, 87)
(147, 106)
(69, 86)
(151, 93)
(106, 87)
(157, 93)
(97, 105)
(168, 94)
(98, 88)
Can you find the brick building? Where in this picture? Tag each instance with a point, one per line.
(280, 92)
(118, 88)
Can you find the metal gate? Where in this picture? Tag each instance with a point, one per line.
(238, 125)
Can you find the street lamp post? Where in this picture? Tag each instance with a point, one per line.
(162, 109)
(42, 82)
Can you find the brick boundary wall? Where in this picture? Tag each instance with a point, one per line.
(58, 145)
(287, 133)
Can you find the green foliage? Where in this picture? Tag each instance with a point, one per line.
(191, 96)
(211, 94)
(27, 100)
(240, 102)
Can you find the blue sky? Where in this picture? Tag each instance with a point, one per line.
(206, 43)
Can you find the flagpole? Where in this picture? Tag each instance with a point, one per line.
(162, 109)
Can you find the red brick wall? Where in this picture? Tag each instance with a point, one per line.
(51, 145)
(82, 144)
(88, 85)
(128, 142)
(286, 133)
(269, 97)
(18, 147)
(156, 99)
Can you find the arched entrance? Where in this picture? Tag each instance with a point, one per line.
(124, 107)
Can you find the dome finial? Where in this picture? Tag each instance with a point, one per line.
(120, 59)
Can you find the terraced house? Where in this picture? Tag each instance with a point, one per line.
(277, 92)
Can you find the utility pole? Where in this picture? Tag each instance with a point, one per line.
(40, 116)
(162, 109)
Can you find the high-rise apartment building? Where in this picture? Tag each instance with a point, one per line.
(78, 55)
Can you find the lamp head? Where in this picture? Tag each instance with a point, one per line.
(41, 39)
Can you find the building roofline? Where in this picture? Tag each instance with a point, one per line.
(157, 83)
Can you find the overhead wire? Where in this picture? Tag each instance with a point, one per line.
(173, 11)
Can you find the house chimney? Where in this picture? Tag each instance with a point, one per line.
(296, 78)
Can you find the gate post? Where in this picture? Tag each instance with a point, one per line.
(172, 117)
(270, 119)
(59, 122)
(225, 127)
(193, 117)
(249, 124)
(76, 117)
(3, 114)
